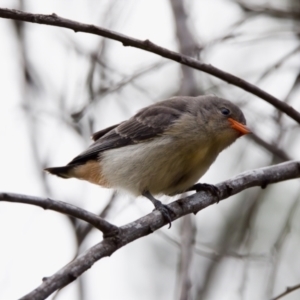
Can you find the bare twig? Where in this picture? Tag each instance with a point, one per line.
(278, 247)
(118, 86)
(269, 10)
(65, 208)
(211, 253)
(188, 232)
(153, 221)
(187, 45)
(279, 63)
(147, 45)
(83, 231)
(288, 290)
(277, 152)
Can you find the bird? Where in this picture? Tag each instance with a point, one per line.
(164, 149)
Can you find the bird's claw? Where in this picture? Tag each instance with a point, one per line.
(165, 211)
(207, 187)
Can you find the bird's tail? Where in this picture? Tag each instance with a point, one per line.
(63, 172)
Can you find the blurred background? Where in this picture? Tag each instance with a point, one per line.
(58, 87)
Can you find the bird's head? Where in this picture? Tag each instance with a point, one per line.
(224, 121)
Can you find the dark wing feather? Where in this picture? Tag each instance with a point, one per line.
(97, 135)
(150, 122)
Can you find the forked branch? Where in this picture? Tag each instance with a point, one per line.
(153, 221)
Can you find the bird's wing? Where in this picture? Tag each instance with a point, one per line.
(97, 135)
(149, 123)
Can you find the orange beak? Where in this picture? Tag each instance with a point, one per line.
(241, 128)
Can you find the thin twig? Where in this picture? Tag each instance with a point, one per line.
(117, 87)
(62, 207)
(279, 63)
(288, 290)
(187, 46)
(277, 152)
(153, 221)
(147, 45)
(83, 231)
(292, 13)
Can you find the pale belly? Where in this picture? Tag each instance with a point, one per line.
(159, 167)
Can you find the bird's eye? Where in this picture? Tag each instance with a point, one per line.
(225, 111)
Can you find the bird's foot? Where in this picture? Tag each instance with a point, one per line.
(206, 187)
(164, 209)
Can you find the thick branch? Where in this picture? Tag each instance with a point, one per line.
(146, 45)
(153, 221)
(65, 208)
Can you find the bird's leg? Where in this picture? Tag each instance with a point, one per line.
(205, 187)
(164, 209)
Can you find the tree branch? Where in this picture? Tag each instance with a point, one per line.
(147, 45)
(292, 13)
(153, 221)
(188, 46)
(65, 208)
(187, 247)
(83, 230)
(288, 290)
(276, 151)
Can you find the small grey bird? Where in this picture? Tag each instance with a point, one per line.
(164, 149)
